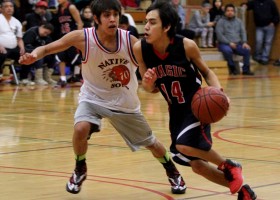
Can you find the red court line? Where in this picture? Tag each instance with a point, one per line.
(105, 177)
(217, 134)
(110, 182)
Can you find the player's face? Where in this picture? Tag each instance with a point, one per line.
(109, 22)
(153, 27)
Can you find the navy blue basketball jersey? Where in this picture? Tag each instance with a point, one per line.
(66, 21)
(178, 78)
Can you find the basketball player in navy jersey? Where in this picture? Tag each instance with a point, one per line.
(69, 19)
(172, 64)
(109, 90)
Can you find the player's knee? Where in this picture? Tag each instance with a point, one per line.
(198, 166)
(185, 150)
(81, 130)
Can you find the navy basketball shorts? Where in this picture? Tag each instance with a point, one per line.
(187, 130)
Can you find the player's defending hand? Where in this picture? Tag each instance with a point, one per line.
(150, 76)
(27, 58)
(148, 80)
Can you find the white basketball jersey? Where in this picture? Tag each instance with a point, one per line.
(109, 77)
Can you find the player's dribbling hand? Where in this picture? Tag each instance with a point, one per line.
(27, 59)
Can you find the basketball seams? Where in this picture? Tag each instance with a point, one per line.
(219, 93)
(214, 101)
(209, 104)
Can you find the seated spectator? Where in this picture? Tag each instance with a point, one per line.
(11, 44)
(87, 17)
(216, 13)
(232, 39)
(130, 18)
(125, 25)
(181, 27)
(33, 38)
(130, 4)
(201, 25)
(37, 17)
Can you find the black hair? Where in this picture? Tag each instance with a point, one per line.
(213, 4)
(230, 5)
(48, 26)
(124, 20)
(100, 6)
(168, 16)
(4, 1)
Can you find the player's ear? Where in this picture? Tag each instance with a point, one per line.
(96, 21)
(166, 29)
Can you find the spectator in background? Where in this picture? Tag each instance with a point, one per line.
(69, 19)
(266, 17)
(130, 18)
(34, 37)
(130, 4)
(181, 27)
(232, 39)
(52, 4)
(124, 24)
(37, 17)
(80, 4)
(11, 44)
(87, 17)
(201, 25)
(216, 13)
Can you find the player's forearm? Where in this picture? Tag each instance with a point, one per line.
(212, 80)
(40, 52)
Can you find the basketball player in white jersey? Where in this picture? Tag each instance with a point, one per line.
(109, 90)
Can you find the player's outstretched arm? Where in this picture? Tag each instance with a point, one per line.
(74, 38)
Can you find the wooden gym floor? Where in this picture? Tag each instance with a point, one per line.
(37, 158)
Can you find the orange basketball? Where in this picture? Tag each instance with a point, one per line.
(209, 105)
